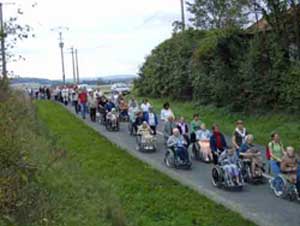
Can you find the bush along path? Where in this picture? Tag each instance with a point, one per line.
(253, 203)
(146, 196)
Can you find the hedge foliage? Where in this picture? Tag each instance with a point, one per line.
(23, 200)
(231, 68)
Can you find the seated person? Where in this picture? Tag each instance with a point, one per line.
(289, 165)
(203, 136)
(276, 152)
(248, 151)
(145, 132)
(178, 144)
(229, 160)
(112, 116)
(217, 143)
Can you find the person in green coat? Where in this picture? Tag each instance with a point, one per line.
(195, 125)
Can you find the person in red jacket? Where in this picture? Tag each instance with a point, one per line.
(83, 98)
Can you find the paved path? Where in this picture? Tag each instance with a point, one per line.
(256, 203)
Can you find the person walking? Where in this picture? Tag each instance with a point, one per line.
(152, 120)
(83, 98)
(92, 102)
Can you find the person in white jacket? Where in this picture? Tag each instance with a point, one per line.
(166, 112)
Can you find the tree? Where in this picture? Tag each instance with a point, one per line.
(218, 14)
(15, 31)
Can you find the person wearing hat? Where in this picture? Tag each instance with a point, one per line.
(239, 135)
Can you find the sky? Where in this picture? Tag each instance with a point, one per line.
(112, 37)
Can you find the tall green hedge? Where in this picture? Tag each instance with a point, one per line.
(226, 68)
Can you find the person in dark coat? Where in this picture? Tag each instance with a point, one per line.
(217, 143)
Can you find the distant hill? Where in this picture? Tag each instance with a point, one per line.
(41, 81)
(91, 81)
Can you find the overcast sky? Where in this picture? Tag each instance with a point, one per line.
(113, 37)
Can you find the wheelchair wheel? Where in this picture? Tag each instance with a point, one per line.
(292, 192)
(246, 172)
(279, 186)
(130, 129)
(197, 155)
(217, 177)
(169, 160)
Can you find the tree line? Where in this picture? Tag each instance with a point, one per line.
(240, 54)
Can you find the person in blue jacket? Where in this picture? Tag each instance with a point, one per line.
(217, 143)
(109, 106)
(152, 120)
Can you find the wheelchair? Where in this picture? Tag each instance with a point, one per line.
(146, 145)
(248, 175)
(282, 188)
(221, 179)
(197, 154)
(112, 124)
(172, 160)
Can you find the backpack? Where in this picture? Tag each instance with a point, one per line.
(268, 152)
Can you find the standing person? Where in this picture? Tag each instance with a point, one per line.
(83, 98)
(109, 106)
(65, 95)
(183, 129)
(145, 106)
(168, 127)
(133, 103)
(217, 143)
(48, 92)
(276, 152)
(75, 98)
(92, 101)
(239, 135)
(152, 120)
(195, 125)
(166, 112)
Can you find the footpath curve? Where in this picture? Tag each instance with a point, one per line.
(256, 202)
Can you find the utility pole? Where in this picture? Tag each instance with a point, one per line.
(182, 15)
(3, 55)
(61, 45)
(73, 64)
(77, 66)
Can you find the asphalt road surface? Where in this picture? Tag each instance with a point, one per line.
(255, 202)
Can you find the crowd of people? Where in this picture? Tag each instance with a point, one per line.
(180, 134)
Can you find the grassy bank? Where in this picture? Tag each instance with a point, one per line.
(260, 126)
(92, 167)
